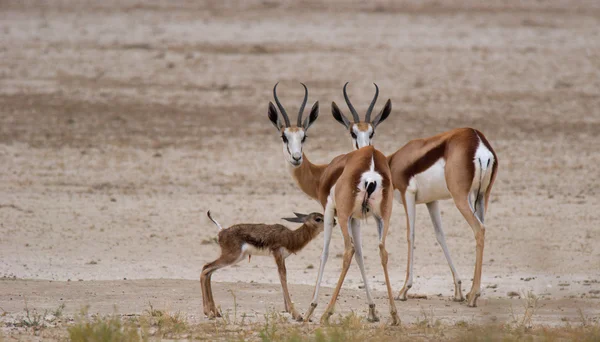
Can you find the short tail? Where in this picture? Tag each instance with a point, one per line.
(370, 187)
(485, 163)
(212, 219)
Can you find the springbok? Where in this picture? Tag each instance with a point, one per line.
(353, 186)
(244, 240)
(458, 164)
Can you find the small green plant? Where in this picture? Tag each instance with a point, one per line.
(269, 330)
(166, 324)
(234, 306)
(428, 319)
(102, 329)
(152, 312)
(530, 305)
(59, 311)
(33, 319)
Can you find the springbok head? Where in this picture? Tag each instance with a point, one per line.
(292, 136)
(362, 133)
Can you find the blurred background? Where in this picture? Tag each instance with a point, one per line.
(123, 122)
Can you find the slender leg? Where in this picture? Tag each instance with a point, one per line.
(348, 253)
(204, 285)
(208, 302)
(355, 229)
(466, 210)
(480, 210)
(436, 219)
(289, 306)
(409, 207)
(382, 227)
(205, 296)
(328, 227)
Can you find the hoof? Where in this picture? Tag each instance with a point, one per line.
(296, 316)
(213, 314)
(458, 299)
(401, 298)
(310, 312)
(325, 318)
(372, 314)
(395, 319)
(403, 295)
(372, 319)
(472, 300)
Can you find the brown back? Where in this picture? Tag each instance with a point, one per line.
(420, 154)
(267, 236)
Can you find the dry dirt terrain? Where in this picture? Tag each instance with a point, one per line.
(123, 122)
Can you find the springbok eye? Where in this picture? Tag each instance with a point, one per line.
(303, 139)
(284, 138)
(353, 135)
(318, 219)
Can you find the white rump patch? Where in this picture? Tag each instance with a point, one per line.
(367, 177)
(484, 160)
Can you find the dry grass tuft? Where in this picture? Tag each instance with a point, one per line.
(97, 329)
(164, 324)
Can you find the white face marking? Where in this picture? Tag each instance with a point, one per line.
(363, 138)
(292, 146)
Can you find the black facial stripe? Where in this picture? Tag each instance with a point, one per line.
(288, 148)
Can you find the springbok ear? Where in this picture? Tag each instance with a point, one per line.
(314, 114)
(274, 117)
(339, 116)
(300, 216)
(385, 112)
(293, 219)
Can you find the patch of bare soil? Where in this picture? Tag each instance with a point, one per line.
(123, 122)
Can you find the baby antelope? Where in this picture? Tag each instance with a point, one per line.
(244, 240)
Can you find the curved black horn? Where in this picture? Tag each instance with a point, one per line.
(303, 104)
(281, 109)
(352, 110)
(368, 116)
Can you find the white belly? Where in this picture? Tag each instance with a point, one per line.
(248, 249)
(430, 185)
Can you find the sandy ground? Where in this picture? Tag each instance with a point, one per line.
(123, 122)
(254, 300)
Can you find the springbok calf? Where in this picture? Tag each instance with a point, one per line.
(353, 186)
(458, 164)
(244, 240)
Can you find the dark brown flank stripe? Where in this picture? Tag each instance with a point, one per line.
(441, 146)
(425, 162)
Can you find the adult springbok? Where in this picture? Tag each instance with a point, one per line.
(353, 186)
(458, 164)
